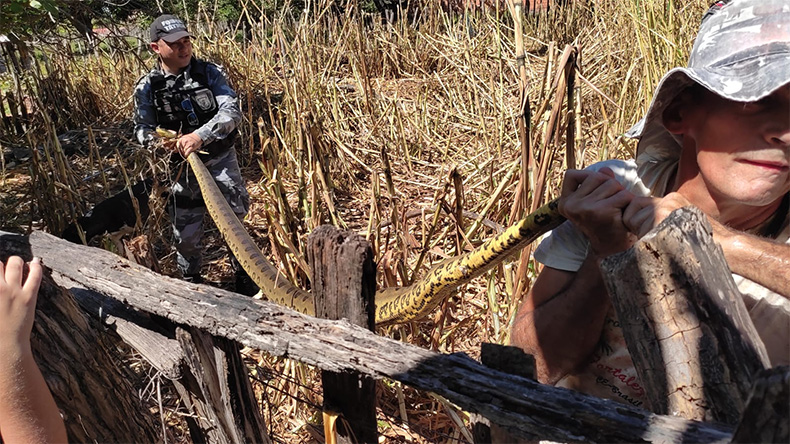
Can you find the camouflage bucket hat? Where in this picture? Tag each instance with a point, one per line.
(741, 53)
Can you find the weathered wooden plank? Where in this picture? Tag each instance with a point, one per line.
(158, 346)
(693, 344)
(92, 387)
(216, 388)
(525, 407)
(217, 391)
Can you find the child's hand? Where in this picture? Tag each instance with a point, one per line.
(28, 412)
(18, 303)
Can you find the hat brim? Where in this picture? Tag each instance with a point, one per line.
(176, 36)
(746, 81)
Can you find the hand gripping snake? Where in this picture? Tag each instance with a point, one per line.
(393, 305)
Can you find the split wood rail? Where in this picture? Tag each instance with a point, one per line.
(190, 333)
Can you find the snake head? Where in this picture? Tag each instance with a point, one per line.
(165, 133)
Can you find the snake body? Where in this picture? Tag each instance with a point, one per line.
(393, 305)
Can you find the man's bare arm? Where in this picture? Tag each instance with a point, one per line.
(758, 259)
(561, 319)
(763, 261)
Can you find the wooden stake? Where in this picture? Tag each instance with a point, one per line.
(693, 344)
(344, 287)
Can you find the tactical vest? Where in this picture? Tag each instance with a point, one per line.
(183, 109)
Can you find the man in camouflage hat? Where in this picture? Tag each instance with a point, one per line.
(716, 136)
(193, 98)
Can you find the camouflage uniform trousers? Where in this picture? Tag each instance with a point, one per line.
(188, 219)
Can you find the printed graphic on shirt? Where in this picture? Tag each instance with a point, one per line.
(610, 372)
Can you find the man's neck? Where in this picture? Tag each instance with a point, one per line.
(172, 71)
(733, 214)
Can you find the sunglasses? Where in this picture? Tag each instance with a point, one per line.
(186, 105)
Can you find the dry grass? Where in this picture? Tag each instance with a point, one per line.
(330, 100)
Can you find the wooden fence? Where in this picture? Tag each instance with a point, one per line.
(194, 340)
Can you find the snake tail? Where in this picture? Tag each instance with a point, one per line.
(403, 304)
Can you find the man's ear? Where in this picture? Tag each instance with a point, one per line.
(155, 47)
(675, 113)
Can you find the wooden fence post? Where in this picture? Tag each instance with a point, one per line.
(767, 414)
(694, 346)
(344, 286)
(216, 388)
(510, 360)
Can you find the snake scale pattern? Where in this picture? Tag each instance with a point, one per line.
(393, 305)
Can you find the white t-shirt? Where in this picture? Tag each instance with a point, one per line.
(610, 373)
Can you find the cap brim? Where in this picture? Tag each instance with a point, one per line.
(176, 36)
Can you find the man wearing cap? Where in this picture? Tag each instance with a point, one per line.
(717, 136)
(191, 97)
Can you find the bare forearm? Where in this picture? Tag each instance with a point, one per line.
(760, 260)
(561, 331)
(27, 410)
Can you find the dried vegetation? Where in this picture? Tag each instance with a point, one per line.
(407, 133)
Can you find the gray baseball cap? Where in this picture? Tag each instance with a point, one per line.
(741, 53)
(169, 28)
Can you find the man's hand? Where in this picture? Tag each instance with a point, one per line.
(17, 304)
(645, 213)
(594, 202)
(189, 143)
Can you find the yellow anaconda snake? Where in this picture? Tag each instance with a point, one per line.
(393, 305)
